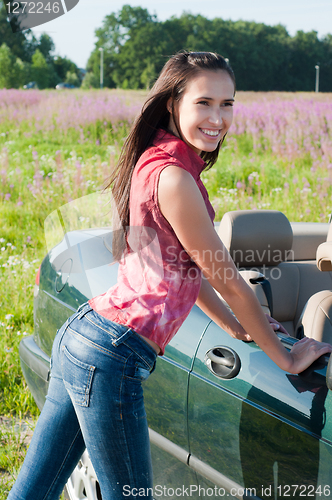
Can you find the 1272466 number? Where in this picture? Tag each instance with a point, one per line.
(32, 7)
(303, 490)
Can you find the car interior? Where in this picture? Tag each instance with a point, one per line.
(296, 260)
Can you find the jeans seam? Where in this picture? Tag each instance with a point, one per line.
(88, 387)
(62, 465)
(104, 329)
(96, 346)
(66, 325)
(121, 418)
(120, 390)
(141, 357)
(122, 423)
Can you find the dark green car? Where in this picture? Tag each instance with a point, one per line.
(224, 420)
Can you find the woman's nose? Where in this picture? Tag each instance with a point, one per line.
(216, 117)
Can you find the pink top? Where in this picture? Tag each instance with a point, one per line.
(158, 283)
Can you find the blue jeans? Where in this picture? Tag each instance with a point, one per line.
(95, 400)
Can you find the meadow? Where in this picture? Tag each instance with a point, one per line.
(56, 147)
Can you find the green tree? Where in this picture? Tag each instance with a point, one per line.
(40, 70)
(148, 75)
(117, 30)
(326, 65)
(90, 81)
(263, 57)
(72, 79)
(305, 52)
(46, 46)
(140, 59)
(7, 60)
(22, 45)
(261, 62)
(11, 68)
(63, 65)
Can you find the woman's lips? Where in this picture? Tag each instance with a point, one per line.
(212, 134)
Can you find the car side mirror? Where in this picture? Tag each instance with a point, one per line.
(329, 374)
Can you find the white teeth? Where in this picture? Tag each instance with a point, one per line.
(213, 133)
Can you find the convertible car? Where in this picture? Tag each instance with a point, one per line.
(224, 420)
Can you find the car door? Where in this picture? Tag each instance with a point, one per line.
(261, 429)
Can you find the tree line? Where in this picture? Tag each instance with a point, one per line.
(264, 58)
(136, 45)
(24, 58)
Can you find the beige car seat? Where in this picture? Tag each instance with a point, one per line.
(262, 241)
(316, 319)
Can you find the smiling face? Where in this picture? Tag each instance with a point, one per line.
(205, 111)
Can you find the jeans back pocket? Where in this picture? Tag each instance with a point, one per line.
(142, 373)
(77, 377)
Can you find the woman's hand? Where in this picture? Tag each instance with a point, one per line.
(305, 352)
(277, 327)
(240, 336)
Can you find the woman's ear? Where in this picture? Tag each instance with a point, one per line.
(170, 105)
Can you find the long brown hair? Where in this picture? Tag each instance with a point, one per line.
(171, 83)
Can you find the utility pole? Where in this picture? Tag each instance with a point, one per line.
(317, 78)
(101, 67)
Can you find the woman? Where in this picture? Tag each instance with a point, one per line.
(104, 351)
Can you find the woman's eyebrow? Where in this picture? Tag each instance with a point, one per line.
(211, 99)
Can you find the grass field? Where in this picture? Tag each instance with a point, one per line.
(56, 147)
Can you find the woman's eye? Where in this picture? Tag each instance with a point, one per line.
(205, 103)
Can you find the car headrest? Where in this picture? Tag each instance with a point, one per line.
(324, 253)
(256, 237)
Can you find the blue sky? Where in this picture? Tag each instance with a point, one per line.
(73, 33)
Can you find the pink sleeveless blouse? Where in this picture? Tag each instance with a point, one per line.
(158, 283)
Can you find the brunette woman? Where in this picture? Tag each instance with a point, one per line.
(169, 256)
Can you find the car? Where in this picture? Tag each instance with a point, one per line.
(224, 420)
(63, 86)
(31, 85)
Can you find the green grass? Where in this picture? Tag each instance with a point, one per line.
(242, 180)
(14, 438)
(40, 172)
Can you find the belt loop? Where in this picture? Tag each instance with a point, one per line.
(81, 306)
(83, 310)
(122, 337)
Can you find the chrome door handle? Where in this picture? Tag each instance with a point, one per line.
(223, 362)
(220, 358)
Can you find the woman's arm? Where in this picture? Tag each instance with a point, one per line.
(213, 307)
(183, 206)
